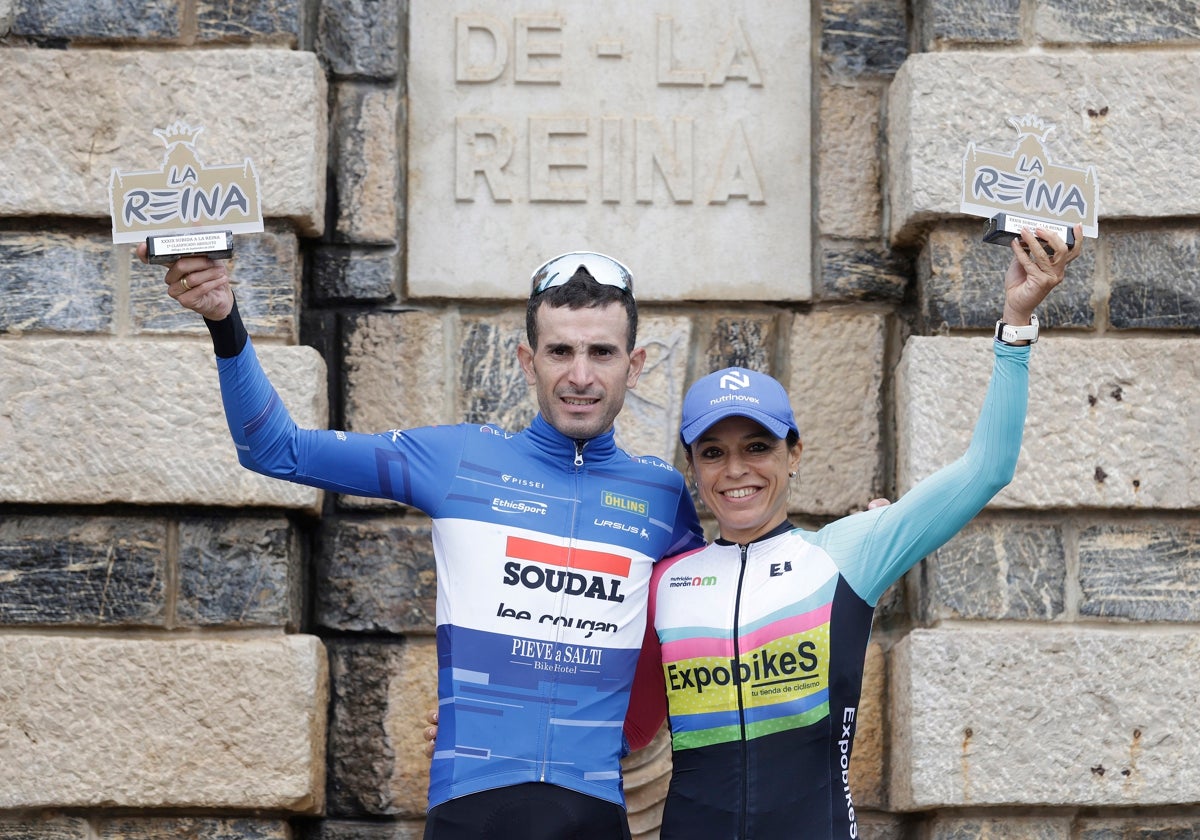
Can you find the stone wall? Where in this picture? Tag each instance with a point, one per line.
(187, 649)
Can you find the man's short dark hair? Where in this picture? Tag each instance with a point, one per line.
(582, 292)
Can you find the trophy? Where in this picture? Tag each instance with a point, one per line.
(185, 208)
(1023, 189)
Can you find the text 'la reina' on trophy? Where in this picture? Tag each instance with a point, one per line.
(1023, 189)
(185, 208)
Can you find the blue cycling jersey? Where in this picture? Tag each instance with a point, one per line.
(544, 548)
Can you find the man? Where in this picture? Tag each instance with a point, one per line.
(544, 542)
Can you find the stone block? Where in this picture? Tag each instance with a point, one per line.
(376, 576)
(265, 271)
(1098, 22)
(366, 164)
(951, 827)
(649, 423)
(863, 271)
(1142, 571)
(1153, 280)
(85, 113)
(836, 387)
(156, 21)
(639, 123)
(235, 724)
(250, 21)
(71, 570)
(868, 769)
(393, 365)
(1096, 435)
(491, 386)
(361, 38)
(1044, 716)
(56, 283)
(352, 830)
(736, 340)
(942, 23)
(863, 37)
(127, 421)
(997, 569)
(849, 160)
(45, 826)
(877, 826)
(928, 131)
(356, 274)
(961, 283)
(209, 828)
(239, 572)
(1138, 828)
(381, 693)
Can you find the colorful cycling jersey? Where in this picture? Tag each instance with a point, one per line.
(544, 552)
(762, 645)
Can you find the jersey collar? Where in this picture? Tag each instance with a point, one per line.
(551, 440)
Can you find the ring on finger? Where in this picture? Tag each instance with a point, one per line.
(184, 281)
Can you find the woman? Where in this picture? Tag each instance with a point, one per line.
(755, 643)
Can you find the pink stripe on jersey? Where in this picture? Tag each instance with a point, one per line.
(722, 648)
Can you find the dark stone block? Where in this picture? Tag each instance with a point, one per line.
(1156, 22)
(79, 571)
(944, 22)
(265, 270)
(962, 283)
(357, 275)
(254, 21)
(996, 570)
(739, 342)
(102, 20)
(210, 828)
(360, 753)
(362, 38)
(864, 37)
(1143, 571)
(47, 827)
(54, 283)
(493, 388)
(242, 572)
(1144, 828)
(861, 271)
(376, 576)
(1154, 283)
(349, 830)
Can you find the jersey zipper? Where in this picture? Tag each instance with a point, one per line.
(737, 659)
(578, 462)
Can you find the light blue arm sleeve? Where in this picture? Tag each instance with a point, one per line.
(874, 549)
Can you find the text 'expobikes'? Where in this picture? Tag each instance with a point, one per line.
(760, 669)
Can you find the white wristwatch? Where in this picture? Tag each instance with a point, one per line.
(1009, 334)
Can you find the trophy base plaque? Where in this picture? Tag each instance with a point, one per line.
(1005, 227)
(164, 250)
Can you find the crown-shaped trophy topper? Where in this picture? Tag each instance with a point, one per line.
(1025, 189)
(185, 208)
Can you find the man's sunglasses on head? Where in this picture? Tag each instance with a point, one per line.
(603, 269)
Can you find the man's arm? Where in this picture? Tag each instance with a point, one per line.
(266, 438)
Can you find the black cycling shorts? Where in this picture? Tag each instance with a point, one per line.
(531, 811)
